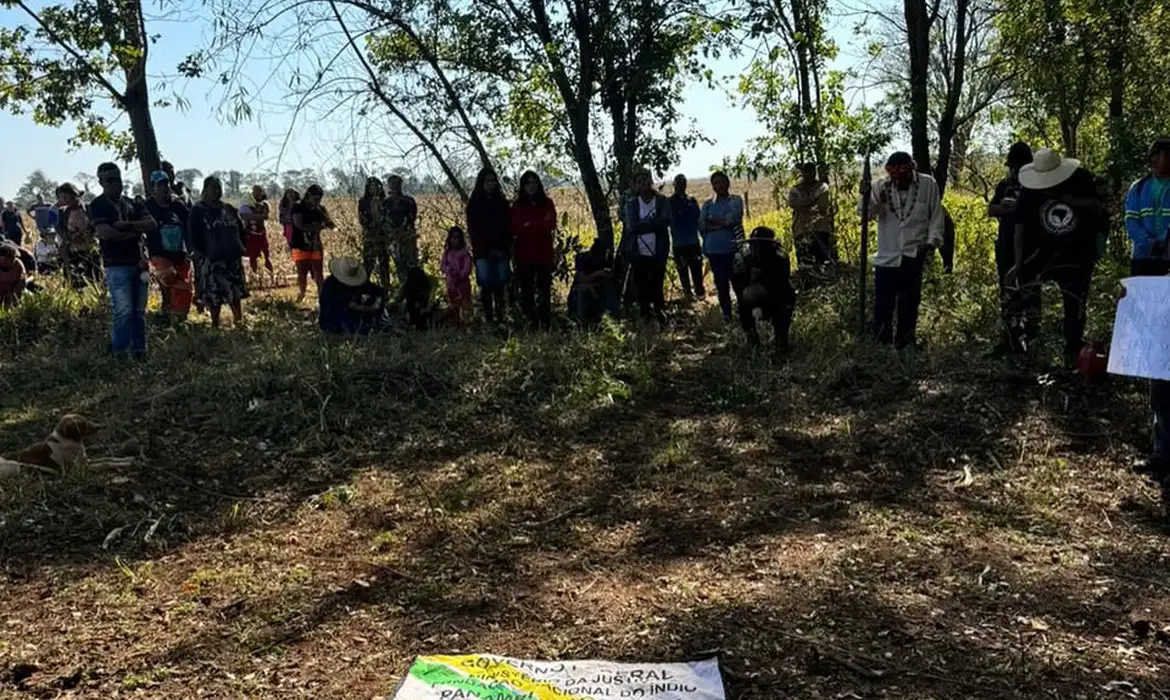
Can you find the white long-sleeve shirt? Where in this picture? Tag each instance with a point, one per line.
(923, 225)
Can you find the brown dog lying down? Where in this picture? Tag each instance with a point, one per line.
(64, 448)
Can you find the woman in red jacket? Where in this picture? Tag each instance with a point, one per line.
(534, 221)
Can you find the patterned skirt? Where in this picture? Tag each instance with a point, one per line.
(220, 283)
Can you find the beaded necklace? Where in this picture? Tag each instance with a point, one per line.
(900, 209)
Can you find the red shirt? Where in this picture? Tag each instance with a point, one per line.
(533, 226)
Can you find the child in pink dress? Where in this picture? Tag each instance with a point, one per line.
(456, 268)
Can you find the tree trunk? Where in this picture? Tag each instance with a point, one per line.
(136, 102)
(1115, 65)
(918, 42)
(946, 123)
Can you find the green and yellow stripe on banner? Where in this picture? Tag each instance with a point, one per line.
(485, 677)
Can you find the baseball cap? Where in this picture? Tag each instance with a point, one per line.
(159, 176)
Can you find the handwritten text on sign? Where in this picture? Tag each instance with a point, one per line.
(488, 677)
(1141, 331)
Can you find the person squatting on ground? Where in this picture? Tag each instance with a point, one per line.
(401, 214)
(349, 303)
(13, 275)
(1147, 222)
(168, 246)
(489, 228)
(219, 237)
(375, 232)
(120, 225)
(309, 219)
(684, 235)
(255, 213)
(456, 269)
(721, 221)
(646, 244)
(534, 224)
(763, 287)
(812, 220)
(1055, 241)
(593, 292)
(908, 211)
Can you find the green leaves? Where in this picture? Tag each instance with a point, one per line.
(67, 62)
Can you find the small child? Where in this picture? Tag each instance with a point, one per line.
(13, 277)
(456, 268)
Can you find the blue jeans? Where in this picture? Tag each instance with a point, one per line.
(492, 278)
(128, 291)
(722, 265)
(491, 273)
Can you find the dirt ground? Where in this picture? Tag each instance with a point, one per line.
(302, 519)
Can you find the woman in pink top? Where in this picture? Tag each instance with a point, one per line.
(456, 268)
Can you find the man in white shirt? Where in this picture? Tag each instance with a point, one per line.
(909, 215)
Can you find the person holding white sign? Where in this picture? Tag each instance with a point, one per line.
(1147, 221)
(646, 244)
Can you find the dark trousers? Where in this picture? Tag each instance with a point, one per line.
(897, 289)
(536, 293)
(1073, 276)
(722, 265)
(777, 310)
(1159, 390)
(689, 261)
(649, 279)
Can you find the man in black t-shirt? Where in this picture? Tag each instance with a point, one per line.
(1003, 208)
(1056, 223)
(120, 224)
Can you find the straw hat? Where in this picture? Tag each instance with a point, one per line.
(1047, 169)
(348, 271)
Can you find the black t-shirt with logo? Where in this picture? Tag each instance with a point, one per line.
(126, 252)
(1054, 227)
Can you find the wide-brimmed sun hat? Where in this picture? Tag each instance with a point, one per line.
(348, 271)
(1047, 169)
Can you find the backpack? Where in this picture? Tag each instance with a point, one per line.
(172, 238)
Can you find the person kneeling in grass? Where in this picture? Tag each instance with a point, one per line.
(761, 280)
(593, 291)
(350, 303)
(13, 276)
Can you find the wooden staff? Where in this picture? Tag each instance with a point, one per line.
(865, 177)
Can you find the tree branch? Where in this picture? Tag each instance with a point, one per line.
(56, 39)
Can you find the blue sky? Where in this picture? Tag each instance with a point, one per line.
(198, 138)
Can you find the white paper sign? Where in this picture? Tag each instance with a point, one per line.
(490, 677)
(1141, 331)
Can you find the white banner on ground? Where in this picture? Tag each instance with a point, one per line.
(489, 677)
(1141, 331)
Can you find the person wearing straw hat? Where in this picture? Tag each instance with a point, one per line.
(350, 303)
(910, 223)
(1056, 241)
